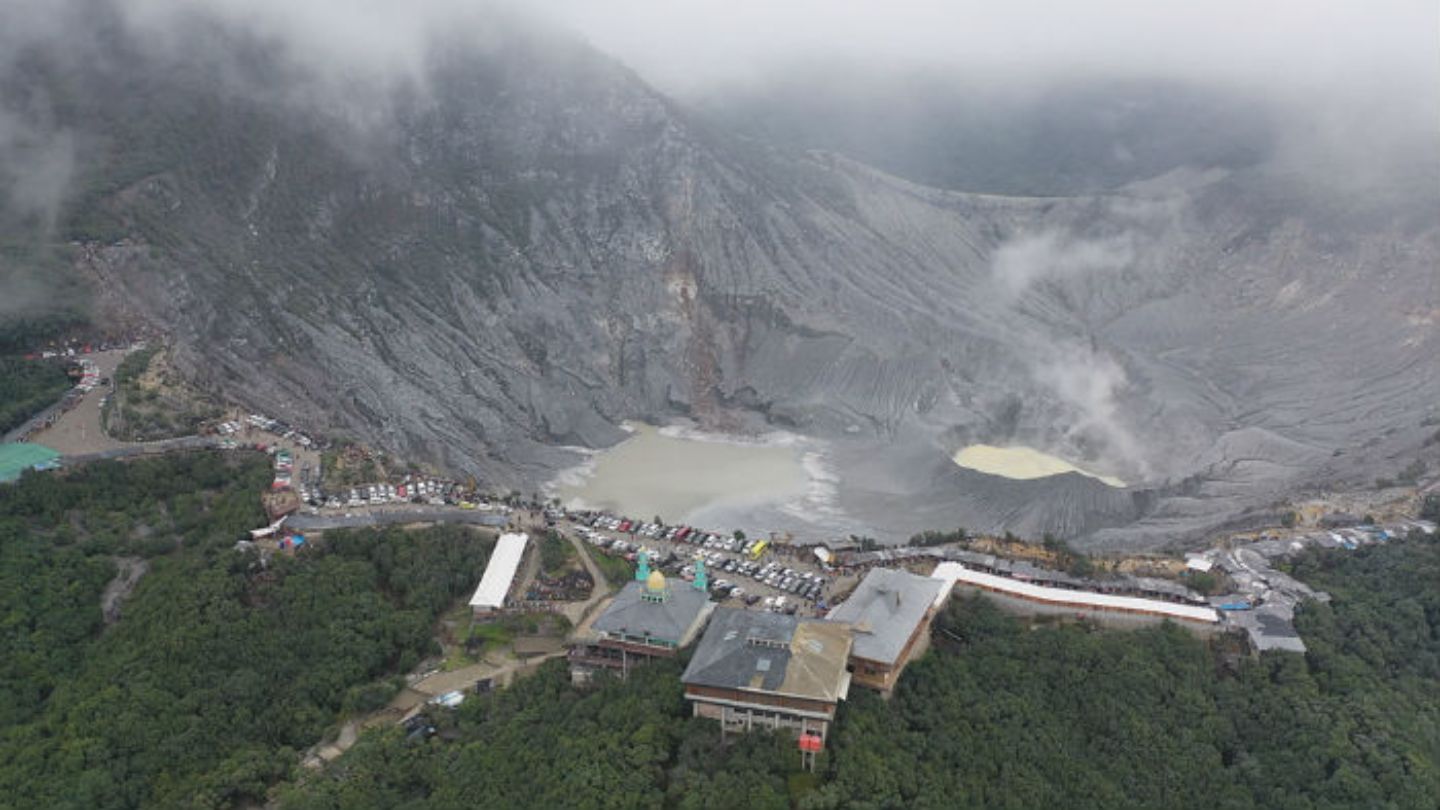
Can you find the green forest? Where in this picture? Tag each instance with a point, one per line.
(1066, 716)
(999, 714)
(220, 670)
(543, 743)
(26, 388)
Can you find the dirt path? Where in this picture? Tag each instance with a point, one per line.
(578, 612)
(440, 683)
(465, 677)
(530, 565)
(128, 572)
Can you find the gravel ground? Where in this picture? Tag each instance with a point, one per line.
(396, 515)
(834, 584)
(78, 432)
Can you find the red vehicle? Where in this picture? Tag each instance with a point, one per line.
(683, 533)
(623, 527)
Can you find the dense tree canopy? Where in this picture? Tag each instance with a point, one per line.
(543, 743)
(1068, 716)
(26, 388)
(30, 327)
(997, 715)
(221, 669)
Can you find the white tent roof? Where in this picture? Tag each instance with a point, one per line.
(500, 571)
(1102, 601)
(258, 534)
(1198, 562)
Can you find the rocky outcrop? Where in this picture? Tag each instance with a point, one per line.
(539, 246)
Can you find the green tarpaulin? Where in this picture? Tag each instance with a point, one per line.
(19, 457)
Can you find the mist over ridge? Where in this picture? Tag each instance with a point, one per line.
(463, 234)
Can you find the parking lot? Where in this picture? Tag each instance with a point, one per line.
(78, 431)
(740, 571)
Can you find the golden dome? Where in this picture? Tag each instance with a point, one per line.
(655, 582)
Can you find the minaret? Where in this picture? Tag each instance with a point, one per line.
(642, 569)
(701, 582)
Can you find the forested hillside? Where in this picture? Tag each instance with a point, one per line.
(1069, 717)
(26, 388)
(220, 670)
(997, 716)
(542, 743)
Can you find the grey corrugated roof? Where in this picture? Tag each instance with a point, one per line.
(972, 558)
(726, 657)
(1270, 627)
(669, 620)
(1156, 585)
(1274, 631)
(748, 649)
(885, 609)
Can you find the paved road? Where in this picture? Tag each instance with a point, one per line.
(397, 515)
(145, 449)
(34, 423)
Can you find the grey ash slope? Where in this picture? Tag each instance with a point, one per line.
(535, 246)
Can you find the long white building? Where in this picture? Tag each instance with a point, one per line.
(499, 573)
(956, 573)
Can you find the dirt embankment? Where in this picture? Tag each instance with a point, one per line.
(1135, 564)
(152, 400)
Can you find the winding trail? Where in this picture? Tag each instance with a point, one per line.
(578, 612)
(128, 571)
(462, 679)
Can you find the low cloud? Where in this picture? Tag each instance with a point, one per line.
(1028, 260)
(36, 167)
(1288, 46)
(1093, 383)
(20, 293)
(37, 157)
(1039, 268)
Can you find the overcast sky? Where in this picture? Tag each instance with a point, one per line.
(1351, 67)
(680, 44)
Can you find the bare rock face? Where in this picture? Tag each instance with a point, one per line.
(539, 246)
